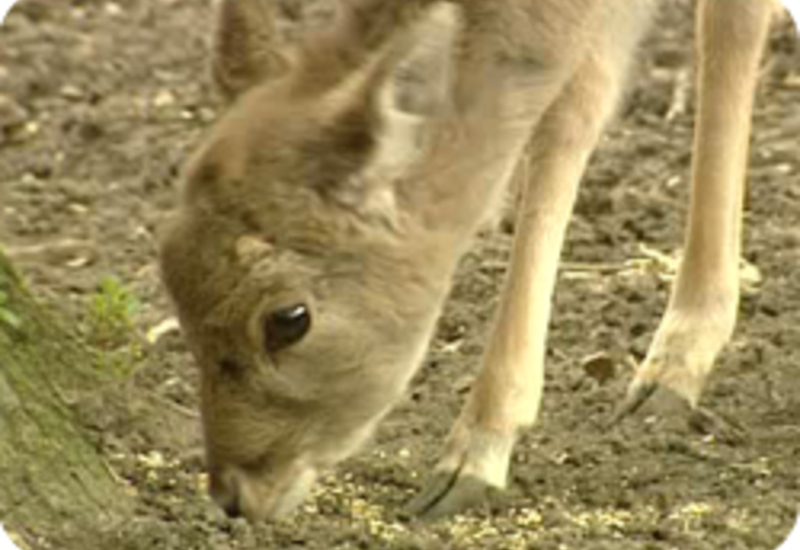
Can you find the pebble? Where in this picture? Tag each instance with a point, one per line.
(70, 91)
(600, 366)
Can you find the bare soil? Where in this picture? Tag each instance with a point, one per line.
(100, 102)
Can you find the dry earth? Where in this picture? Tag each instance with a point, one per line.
(101, 101)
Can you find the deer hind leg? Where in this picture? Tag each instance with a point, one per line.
(701, 313)
(506, 394)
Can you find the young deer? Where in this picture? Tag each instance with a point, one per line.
(323, 219)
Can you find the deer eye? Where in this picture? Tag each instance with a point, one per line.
(286, 326)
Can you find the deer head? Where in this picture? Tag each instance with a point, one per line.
(304, 260)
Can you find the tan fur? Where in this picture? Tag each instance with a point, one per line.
(349, 176)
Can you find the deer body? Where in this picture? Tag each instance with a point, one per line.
(324, 217)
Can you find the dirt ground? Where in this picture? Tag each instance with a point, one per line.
(99, 104)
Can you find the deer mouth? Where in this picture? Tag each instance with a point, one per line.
(257, 498)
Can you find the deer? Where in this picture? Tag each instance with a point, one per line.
(322, 219)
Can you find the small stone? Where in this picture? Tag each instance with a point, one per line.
(77, 208)
(161, 329)
(599, 366)
(164, 98)
(70, 91)
(113, 9)
(79, 262)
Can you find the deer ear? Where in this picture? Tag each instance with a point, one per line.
(408, 88)
(247, 48)
(413, 84)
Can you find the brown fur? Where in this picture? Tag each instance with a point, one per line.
(348, 175)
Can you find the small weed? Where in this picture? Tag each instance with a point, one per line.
(111, 313)
(110, 326)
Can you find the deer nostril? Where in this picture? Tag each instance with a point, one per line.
(233, 508)
(224, 492)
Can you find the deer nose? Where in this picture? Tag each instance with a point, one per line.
(226, 495)
(233, 508)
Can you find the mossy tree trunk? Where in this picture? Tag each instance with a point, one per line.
(51, 476)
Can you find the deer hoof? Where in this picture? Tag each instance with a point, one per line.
(449, 493)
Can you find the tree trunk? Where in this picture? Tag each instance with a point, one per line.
(51, 475)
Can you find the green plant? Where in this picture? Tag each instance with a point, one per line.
(111, 327)
(7, 316)
(111, 313)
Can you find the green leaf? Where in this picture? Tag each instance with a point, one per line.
(10, 318)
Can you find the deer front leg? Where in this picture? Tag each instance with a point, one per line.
(701, 314)
(506, 394)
